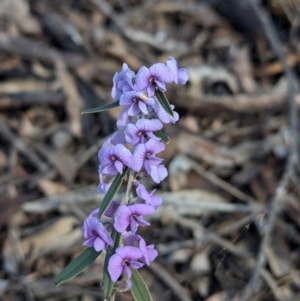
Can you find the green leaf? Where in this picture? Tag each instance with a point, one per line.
(77, 265)
(163, 100)
(139, 288)
(163, 136)
(113, 189)
(107, 283)
(102, 108)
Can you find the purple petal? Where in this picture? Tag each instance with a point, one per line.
(123, 119)
(99, 245)
(151, 252)
(134, 109)
(112, 208)
(172, 64)
(141, 221)
(115, 267)
(89, 242)
(119, 166)
(118, 138)
(136, 265)
(142, 80)
(154, 146)
(122, 218)
(129, 253)
(154, 161)
(151, 90)
(161, 86)
(161, 72)
(127, 271)
(149, 198)
(129, 238)
(158, 173)
(143, 107)
(143, 248)
(182, 76)
(139, 157)
(141, 209)
(132, 134)
(133, 225)
(124, 154)
(110, 169)
(127, 98)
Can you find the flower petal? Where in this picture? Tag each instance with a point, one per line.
(142, 79)
(139, 157)
(99, 244)
(115, 267)
(119, 166)
(161, 72)
(122, 218)
(158, 173)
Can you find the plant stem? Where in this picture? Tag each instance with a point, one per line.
(131, 178)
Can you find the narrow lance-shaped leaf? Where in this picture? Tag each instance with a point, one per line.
(102, 108)
(77, 265)
(163, 100)
(107, 283)
(163, 136)
(139, 290)
(113, 189)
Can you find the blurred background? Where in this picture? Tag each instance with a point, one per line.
(229, 228)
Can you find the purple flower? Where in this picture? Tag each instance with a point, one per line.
(179, 75)
(144, 155)
(163, 116)
(147, 197)
(122, 82)
(114, 158)
(154, 77)
(138, 102)
(95, 234)
(131, 215)
(143, 129)
(116, 138)
(124, 259)
(158, 173)
(149, 253)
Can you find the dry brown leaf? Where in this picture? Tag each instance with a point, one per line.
(203, 149)
(65, 164)
(50, 187)
(74, 102)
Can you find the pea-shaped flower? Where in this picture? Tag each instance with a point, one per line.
(124, 259)
(95, 234)
(142, 131)
(154, 77)
(131, 215)
(114, 158)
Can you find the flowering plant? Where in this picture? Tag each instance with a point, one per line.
(127, 155)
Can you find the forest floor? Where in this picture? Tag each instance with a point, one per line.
(229, 227)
